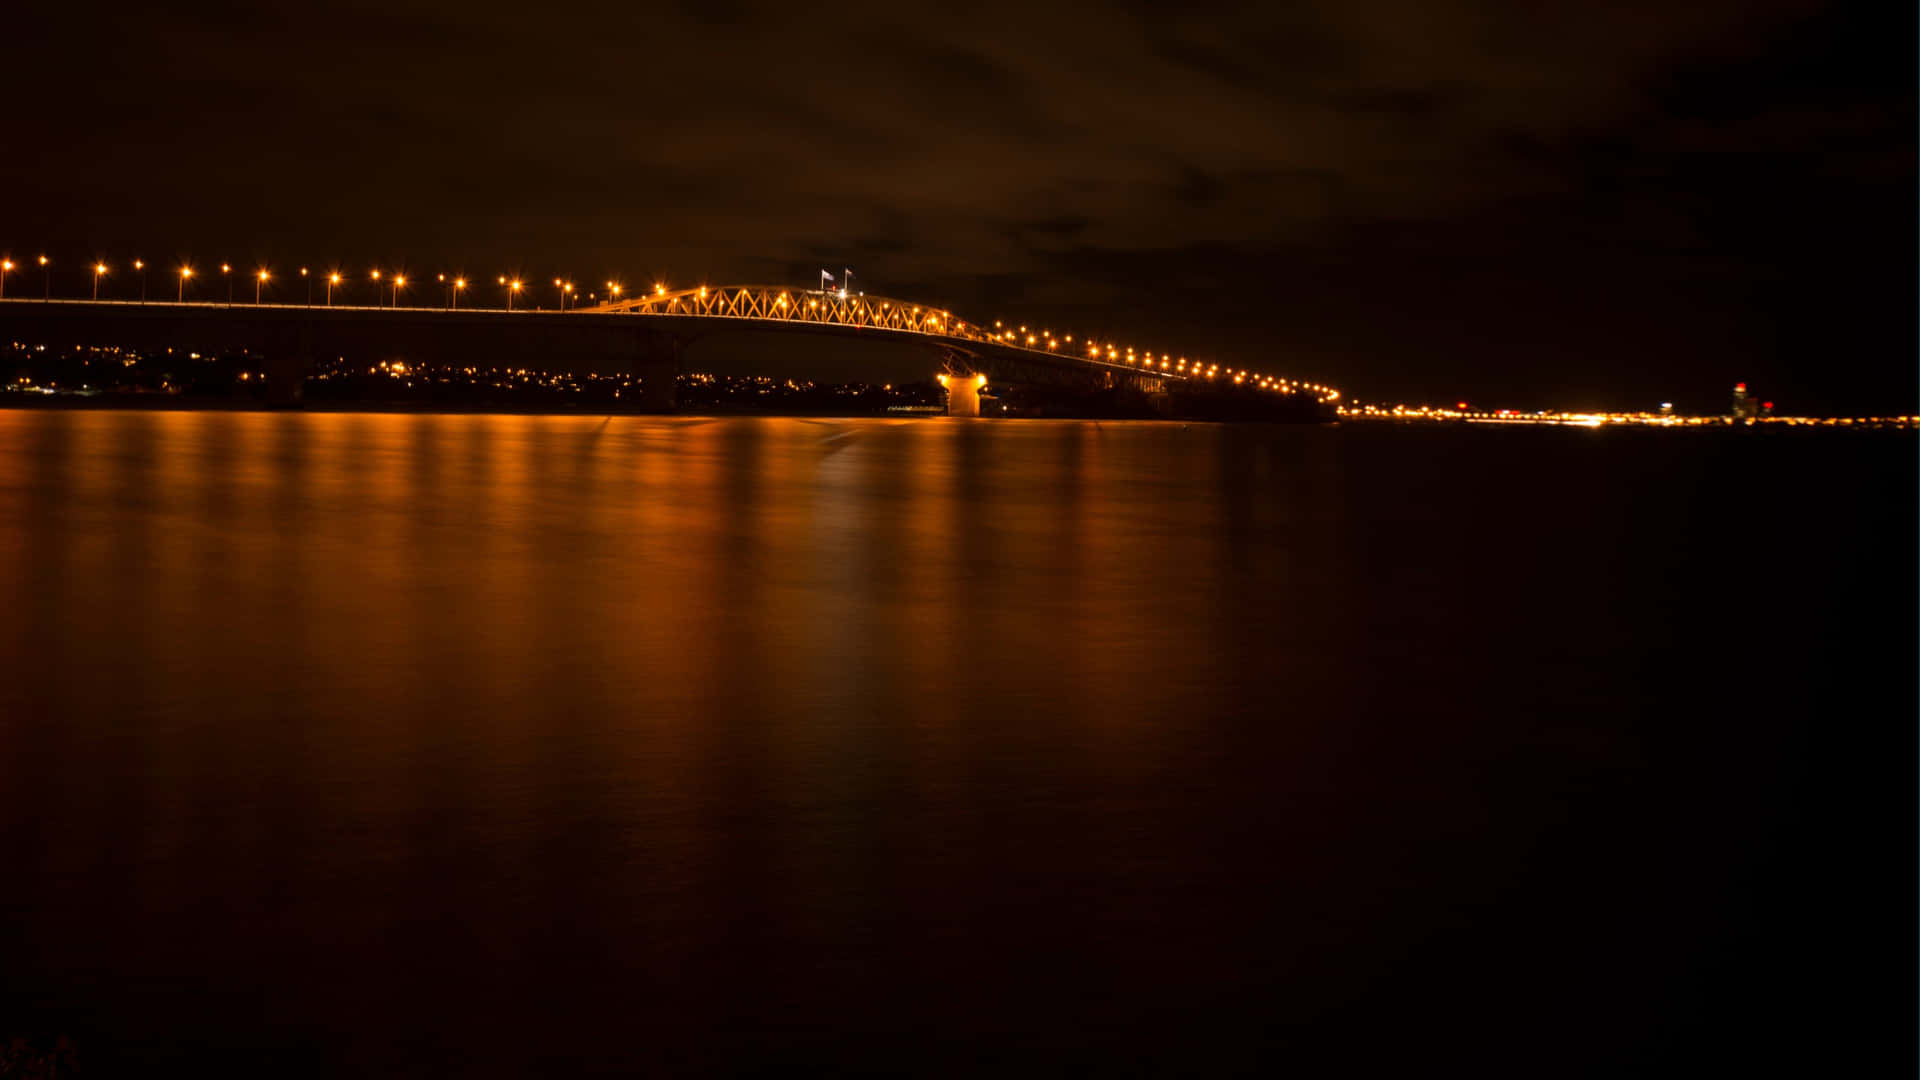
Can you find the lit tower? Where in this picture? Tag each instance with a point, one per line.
(1743, 406)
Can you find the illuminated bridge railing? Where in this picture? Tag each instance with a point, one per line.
(771, 303)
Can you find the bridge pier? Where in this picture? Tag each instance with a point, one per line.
(656, 362)
(289, 360)
(963, 393)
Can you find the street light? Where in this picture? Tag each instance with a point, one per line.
(185, 273)
(142, 267)
(261, 280)
(303, 273)
(443, 281)
(376, 288)
(566, 293)
(332, 280)
(99, 271)
(398, 280)
(228, 271)
(46, 280)
(6, 267)
(512, 288)
(458, 284)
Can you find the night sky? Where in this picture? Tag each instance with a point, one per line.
(1593, 205)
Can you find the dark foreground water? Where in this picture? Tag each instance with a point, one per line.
(412, 744)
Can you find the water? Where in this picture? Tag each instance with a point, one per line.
(455, 745)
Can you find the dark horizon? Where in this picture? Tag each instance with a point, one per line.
(1604, 209)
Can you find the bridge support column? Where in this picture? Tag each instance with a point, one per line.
(963, 393)
(289, 358)
(656, 362)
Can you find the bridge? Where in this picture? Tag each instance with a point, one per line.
(646, 336)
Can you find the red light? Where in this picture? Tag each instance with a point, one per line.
(1463, 406)
(1766, 404)
(1740, 387)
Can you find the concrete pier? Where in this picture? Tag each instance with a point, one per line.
(963, 393)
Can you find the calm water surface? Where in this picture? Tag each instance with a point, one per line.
(454, 745)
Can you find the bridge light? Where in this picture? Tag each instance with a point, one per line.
(43, 262)
(376, 275)
(658, 289)
(186, 271)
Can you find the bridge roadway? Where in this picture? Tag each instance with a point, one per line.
(630, 337)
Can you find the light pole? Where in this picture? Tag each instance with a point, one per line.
(227, 269)
(46, 280)
(458, 284)
(142, 267)
(613, 293)
(512, 288)
(443, 281)
(185, 273)
(6, 267)
(398, 280)
(376, 288)
(332, 280)
(560, 291)
(99, 271)
(303, 274)
(257, 282)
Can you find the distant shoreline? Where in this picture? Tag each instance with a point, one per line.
(106, 402)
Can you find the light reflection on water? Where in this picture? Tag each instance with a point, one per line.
(367, 732)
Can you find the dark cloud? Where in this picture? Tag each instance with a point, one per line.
(1599, 204)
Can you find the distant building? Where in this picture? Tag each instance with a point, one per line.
(1745, 406)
